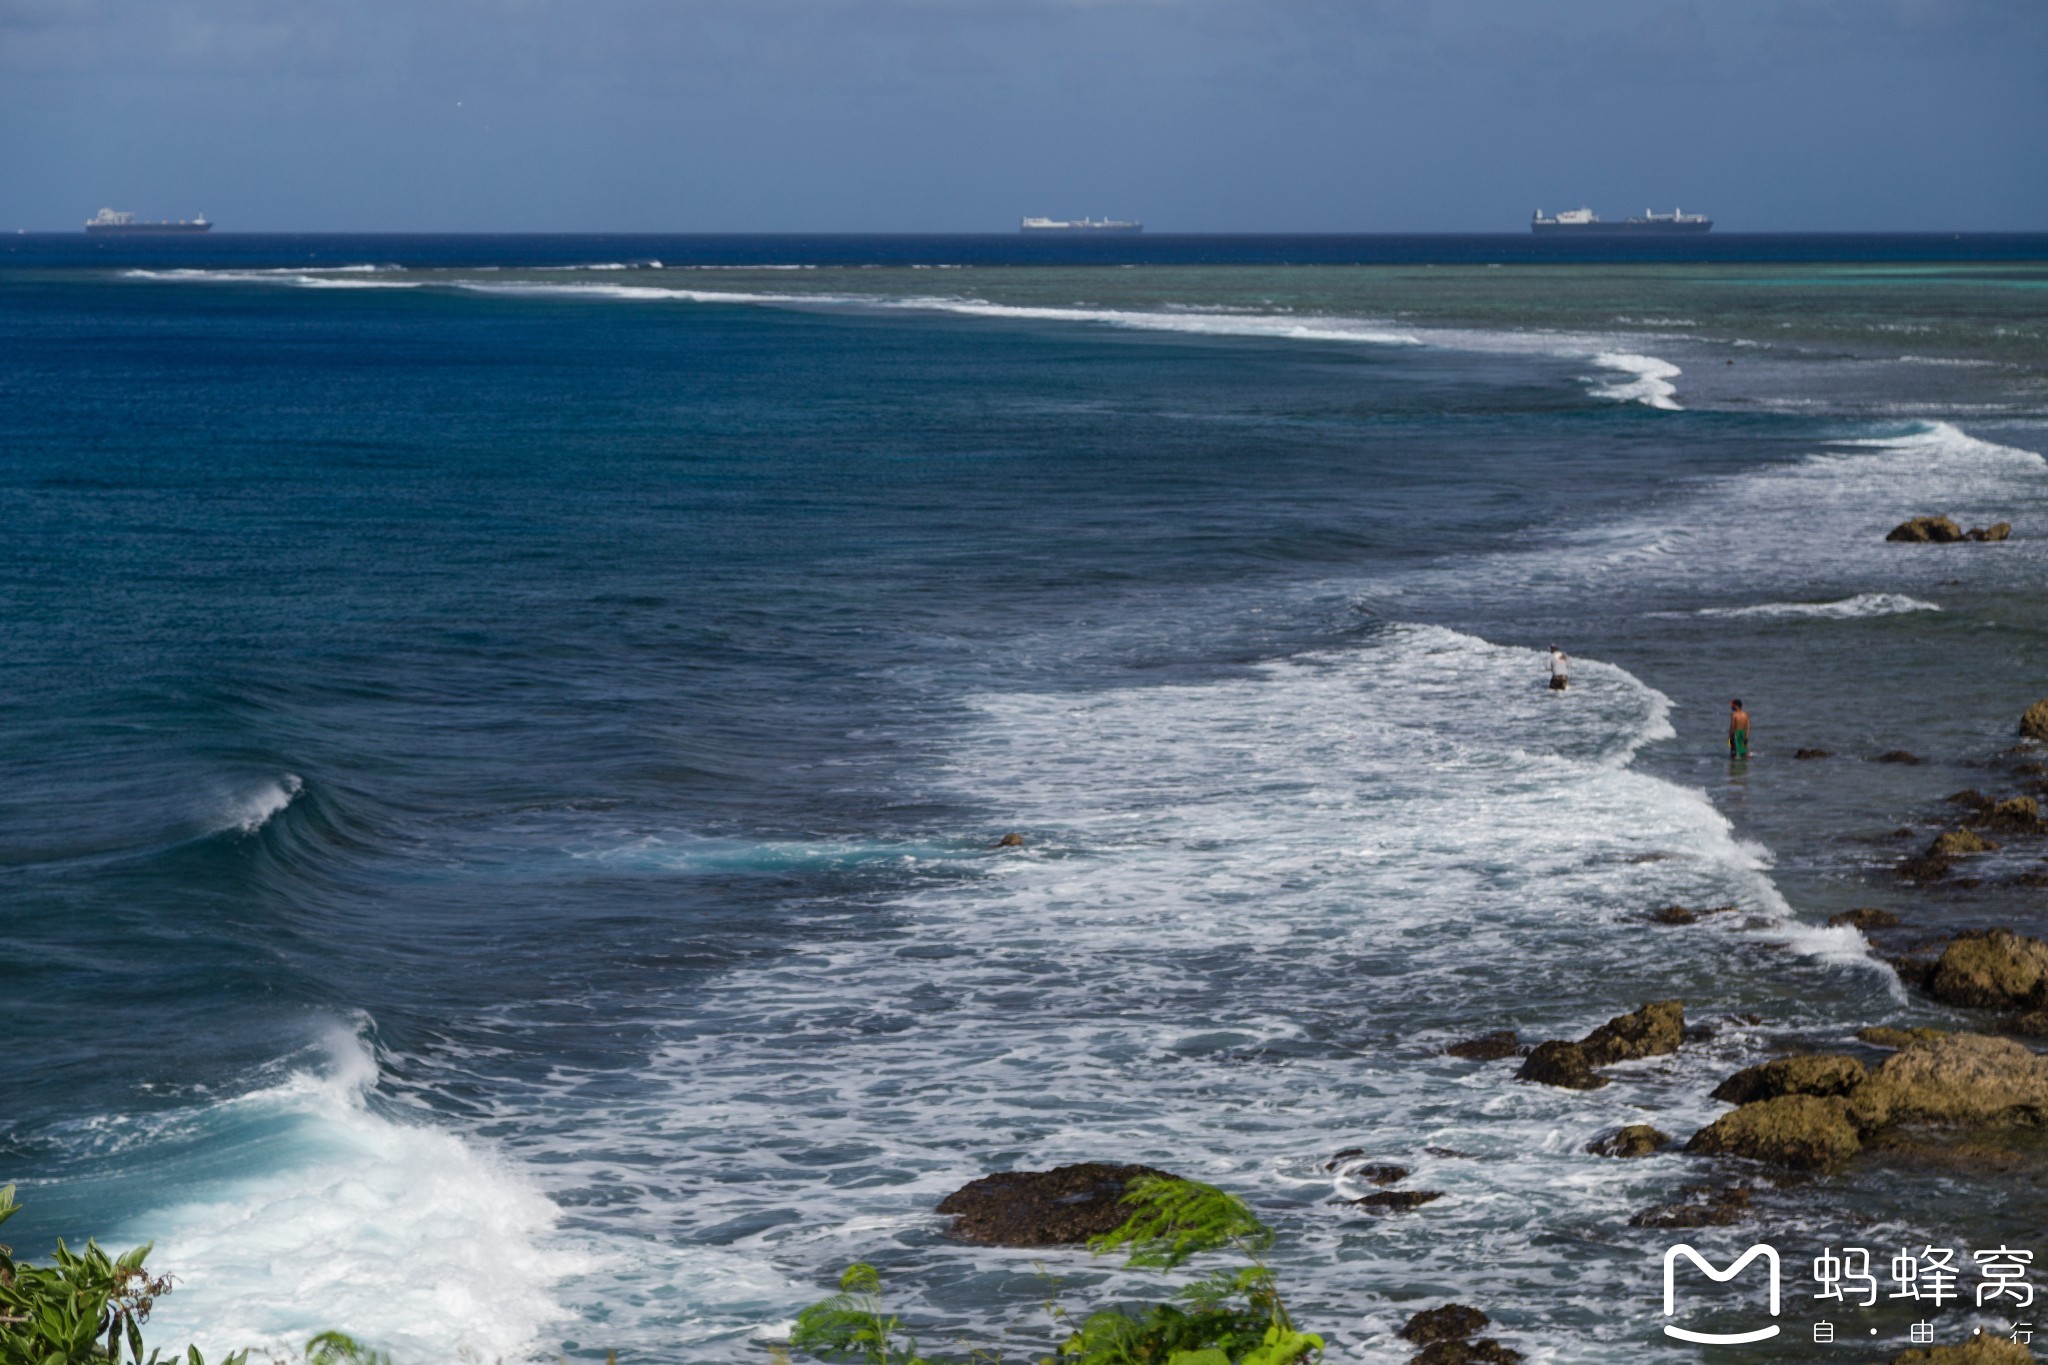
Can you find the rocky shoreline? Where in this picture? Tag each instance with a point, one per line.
(1930, 1097)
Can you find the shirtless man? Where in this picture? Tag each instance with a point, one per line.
(1560, 670)
(1738, 730)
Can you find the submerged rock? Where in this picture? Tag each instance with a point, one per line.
(1926, 530)
(2034, 720)
(1811, 753)
(1653, 1030)
(2000, 970)
(1997, 530)
(1799, 1132)
(1485, 1351)
(1865, 918)
(1397, 1201)
(1060, 1207)
(1898, 756)
(1635, 1139)
(1561, 1064)
(1961, 1080)
(1702, 1206)
(1009, 841)
(1452, 1322)
(1819, 1075)
(1490, 1048)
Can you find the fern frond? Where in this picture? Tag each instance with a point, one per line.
(1174, 1219)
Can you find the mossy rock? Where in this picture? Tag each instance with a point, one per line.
(1998, 970)
(1954, 843)
(1798, 1132)
(1560, 1064)
(1635, 1139)
(1986, 1350)
(1966, 1080)
(1703, 1206)
(1060, 1207)
(2034, 720)
(1925, 531)
(1653, 1030)
(1865, 918)
(2020, 813)
(1452, 1322)
(1820, 1075)
(1884, 1035)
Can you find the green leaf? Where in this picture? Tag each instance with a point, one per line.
(1173, 1219)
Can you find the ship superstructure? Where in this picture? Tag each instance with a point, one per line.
(119, 223)
(1079, 225)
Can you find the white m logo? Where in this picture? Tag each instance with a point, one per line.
(1770, 1255)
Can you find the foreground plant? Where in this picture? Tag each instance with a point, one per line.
(1230, 1316)
(85, 1308)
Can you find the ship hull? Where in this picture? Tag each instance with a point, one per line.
(1620, 229)
(146, 229)
(1120, 230)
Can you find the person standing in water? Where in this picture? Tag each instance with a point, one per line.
(1738, 730)
(1560, 670)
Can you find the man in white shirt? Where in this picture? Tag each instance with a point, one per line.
(1560, 670)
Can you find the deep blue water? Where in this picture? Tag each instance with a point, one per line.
(496, 783)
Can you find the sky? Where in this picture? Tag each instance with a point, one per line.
(964, 115)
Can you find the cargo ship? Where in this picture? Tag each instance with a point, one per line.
(1586, 223)
(1079, 225)
(124, 224)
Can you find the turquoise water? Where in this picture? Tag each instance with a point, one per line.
(501, 763)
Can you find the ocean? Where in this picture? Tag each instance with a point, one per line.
(503, 743)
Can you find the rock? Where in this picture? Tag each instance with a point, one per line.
(2021, 813)
(2032, 1024)
(1065, 1205)
(1913, 971)
(1867, 918)
(1948, 845)
(1340, 1158)
(1485, 1351)
(1997, 530)
(1674, 914)
(1820, 1075)
(1986, 1350)
(1010, 841)
(1997, 971)
(1452, 1322)
(1387, 1174)
(1811, 753)
(2034, 720)
(1970, 797)
(1883, 1035)
(1490, 1048)
(1703, 1206)
(1961, 1079)
(1636, 1139)
(1561, 1064)
(1653, 1030)
(1898, 756)
(1926, 530)
(1397, 1201)
(1799, 1132)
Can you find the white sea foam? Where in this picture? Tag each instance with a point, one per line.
(253, 810)
(336, 1216)
(1259, 906)
(1649, 379)
(1863, 604)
